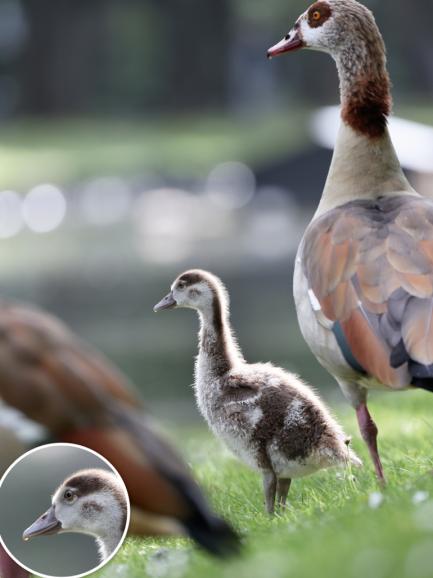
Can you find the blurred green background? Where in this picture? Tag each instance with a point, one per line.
(143, 137)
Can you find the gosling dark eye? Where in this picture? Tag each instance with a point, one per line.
(68, 495)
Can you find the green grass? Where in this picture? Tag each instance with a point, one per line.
(329, 528)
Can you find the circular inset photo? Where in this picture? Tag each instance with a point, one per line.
(64, 511)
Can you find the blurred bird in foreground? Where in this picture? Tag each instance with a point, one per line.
(56, 381)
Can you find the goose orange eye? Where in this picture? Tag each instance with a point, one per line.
(316, 15)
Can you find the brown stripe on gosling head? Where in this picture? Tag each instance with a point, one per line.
(220, 300)
(220, 294)
(194, 276)
(87, 482)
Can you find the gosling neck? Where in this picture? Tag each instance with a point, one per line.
(108, 542)
(217, 344)
(364, 164)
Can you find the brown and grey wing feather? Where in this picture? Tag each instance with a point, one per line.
(370, 266)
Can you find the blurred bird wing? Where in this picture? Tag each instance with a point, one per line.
(148, 488)
(49, 375)
(369, 267)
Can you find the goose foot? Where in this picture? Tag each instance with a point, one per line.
(369, 433)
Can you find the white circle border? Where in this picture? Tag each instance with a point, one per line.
(128, 513)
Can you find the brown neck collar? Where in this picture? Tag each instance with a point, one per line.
(365, 89)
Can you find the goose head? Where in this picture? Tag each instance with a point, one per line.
(331, 26)
(348, 32)
(88, 502)
(195, 289)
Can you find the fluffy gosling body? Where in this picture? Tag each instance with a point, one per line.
(90, 502)
(266, 416)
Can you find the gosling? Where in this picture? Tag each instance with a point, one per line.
(266, 416)
(91, 502)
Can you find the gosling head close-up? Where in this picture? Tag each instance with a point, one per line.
(92, 502)
(266, 416)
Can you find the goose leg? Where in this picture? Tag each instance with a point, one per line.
(270, 489)
(357, 397)
(283, 487)
(369, 432)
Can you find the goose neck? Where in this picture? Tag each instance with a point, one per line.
(364, 163)
(362, 168)
(108, 543)
(216, 341)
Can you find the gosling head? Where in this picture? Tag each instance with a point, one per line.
(195, 289)
(90, 502)
(332, 26)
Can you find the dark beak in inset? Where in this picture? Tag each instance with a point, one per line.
(45, 525)
(169, 302)
(291, 42)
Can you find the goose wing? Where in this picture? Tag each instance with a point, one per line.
(369, 267)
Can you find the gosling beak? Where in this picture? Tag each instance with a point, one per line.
(289, 43)
(169, 302)
(43, 526)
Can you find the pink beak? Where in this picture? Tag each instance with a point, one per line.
(291, 42)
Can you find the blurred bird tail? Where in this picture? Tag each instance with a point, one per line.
(202, 525)
(213, 534)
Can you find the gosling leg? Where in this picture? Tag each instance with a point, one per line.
(283, 487)
(270, 489)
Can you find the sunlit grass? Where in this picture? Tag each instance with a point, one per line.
(329, 528)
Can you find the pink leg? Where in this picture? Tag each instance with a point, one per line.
(369, 432)
(8, 568)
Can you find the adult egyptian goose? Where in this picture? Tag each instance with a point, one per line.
(92, 502)
(78, 396)
(266, 416)
(363, 281)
